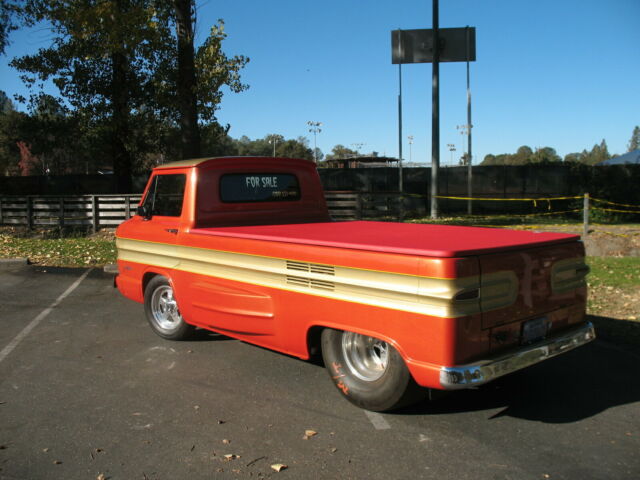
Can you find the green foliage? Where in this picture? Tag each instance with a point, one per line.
(616, 272)
(115, 64)
(287, 148)
(7, 22)
(215, 70)
(599, 153)
(634, 142)
(340, 152)
(523, 156)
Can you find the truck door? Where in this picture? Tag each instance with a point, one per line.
(157, 230)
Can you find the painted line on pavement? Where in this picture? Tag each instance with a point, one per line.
(34, 323)
(378, 421)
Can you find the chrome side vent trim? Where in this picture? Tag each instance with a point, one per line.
(309, 283)
(322, 269)
(319, 284)
(299, 266)
(310, 268)
(297, 281)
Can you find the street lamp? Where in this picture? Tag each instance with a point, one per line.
(315, 128)
(357, 147)
(273, 140)
(410, 137)
(465, 130)
(452, 148)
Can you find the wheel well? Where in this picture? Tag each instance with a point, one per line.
(314, 344)
(146, 279)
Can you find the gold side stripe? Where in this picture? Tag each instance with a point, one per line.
(428, 296)
(266, 256)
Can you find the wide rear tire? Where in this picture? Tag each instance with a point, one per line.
(369, 372)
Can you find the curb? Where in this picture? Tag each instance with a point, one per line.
(12, 263)
(111, 268)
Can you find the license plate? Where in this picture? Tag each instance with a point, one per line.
(535, 329)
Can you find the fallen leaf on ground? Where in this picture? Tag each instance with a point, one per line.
(279, 466)
(101, 477)
(57, 462)
(308, 434)
(225, 441)
(231, 456)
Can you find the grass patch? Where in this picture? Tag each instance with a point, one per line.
(614, 272)
(61, 252)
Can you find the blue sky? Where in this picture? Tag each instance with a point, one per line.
(564, 74)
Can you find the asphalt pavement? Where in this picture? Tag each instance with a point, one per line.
(86, 389)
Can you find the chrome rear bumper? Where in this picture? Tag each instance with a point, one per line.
(478, 373)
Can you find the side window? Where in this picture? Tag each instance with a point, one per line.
(166, 195)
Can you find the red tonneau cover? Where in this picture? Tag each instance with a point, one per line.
(406, 238)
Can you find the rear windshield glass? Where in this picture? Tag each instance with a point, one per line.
(259, 187)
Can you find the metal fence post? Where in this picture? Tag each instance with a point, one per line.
(585, 216)
(29, 213)
(358, 206)
(61, 214)
(1, 219)
(127, 207)
(94, 214)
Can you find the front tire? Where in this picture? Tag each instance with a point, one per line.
(162, 312)
(368, 371)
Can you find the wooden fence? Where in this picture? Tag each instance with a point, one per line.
(95, 211)
(99, 211)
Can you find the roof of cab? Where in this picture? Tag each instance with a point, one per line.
(193, 162)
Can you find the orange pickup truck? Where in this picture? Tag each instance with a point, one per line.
(245, 247)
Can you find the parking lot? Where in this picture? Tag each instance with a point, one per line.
(86, 389)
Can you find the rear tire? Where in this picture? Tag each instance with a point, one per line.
(369, 372)
(162, 312)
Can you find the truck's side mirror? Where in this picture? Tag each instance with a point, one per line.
(144, 211)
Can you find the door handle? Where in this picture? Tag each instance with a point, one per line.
(171, 230)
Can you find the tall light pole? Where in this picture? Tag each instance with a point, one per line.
(410, 137)
(273, 140)
(357, 147)
(315, 128)
(452, 148)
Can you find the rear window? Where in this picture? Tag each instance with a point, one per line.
(259, 187)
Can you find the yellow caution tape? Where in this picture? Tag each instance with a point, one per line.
(614, 210)
(614, 203)
(541, 199)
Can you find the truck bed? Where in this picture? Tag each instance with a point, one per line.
(404, 238)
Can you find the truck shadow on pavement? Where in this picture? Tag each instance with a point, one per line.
(575, 386)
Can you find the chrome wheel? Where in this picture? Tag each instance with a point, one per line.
(366, 357)
(164, 309)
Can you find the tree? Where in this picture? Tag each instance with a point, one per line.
(29, 163)
(187, 103)
(6, 105)
(7, 22)
(340, 152)
(544, 155)
(298, 148)
(523, 155)
(10, 134)
(115, 63)
(634, 142)
(599, 153)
